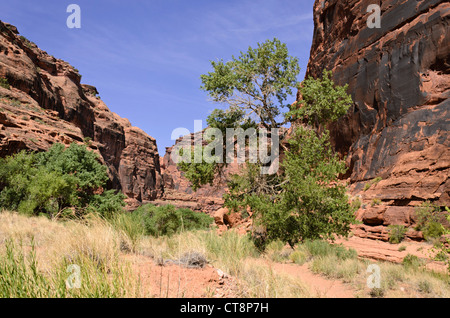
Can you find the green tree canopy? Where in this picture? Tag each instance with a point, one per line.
(322, 101)
(305, 199)
(258, 82)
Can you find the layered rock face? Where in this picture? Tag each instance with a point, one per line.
(178, 190)
(399, 78)
(43, 103)
(208, 198)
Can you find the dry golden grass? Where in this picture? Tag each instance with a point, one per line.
(94, 246)
(100, 247)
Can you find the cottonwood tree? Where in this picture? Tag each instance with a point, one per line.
(258, 82)
(255, 88)
(304, 201)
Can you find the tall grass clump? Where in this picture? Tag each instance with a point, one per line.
(334, 261)
(230, 250)
(396, 233)
(260, 280)
(131, 227)
(21, 276)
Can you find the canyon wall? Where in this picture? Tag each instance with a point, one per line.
(45, 103)
(399, 77)
(178, 189)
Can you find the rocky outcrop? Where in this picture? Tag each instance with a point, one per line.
(43, 102)
(178, 189)
(399, 78)
(208, 198)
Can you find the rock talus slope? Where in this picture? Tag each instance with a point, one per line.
(399, 78)
(45, 103)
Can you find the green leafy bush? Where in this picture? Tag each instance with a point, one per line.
(200, 173)
(396, 233)
(204, 172)
(59, 182)
(412, 261)
(168, 220)
(429, 220)
(4, 83)
(372, 182)
(107, 204)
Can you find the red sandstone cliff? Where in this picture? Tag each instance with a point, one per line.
(46, 103)
(399, 78)
(178, 190)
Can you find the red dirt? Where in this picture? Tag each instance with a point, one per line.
(174, 281)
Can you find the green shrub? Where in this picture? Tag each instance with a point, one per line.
(396, 233)
(309, 205)
(299, 257)
(108, 203)
(375, 202)
(4, 83)
(59, 182)
(198, 174)
(372, 182)
(168, 220)
(429, 220)
(412, 261)
(356, 204)
(194, 220)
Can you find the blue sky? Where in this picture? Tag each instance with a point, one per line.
(146, 57)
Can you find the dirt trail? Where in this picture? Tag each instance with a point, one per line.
(319, 286)
(175, 281)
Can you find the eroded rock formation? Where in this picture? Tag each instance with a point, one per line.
(178, 189)
(45, 103)
(399, 78)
